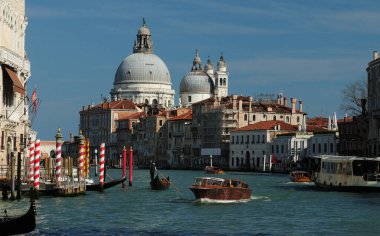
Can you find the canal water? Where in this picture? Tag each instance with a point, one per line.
(277, 207)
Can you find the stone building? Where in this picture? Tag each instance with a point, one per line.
(215, 118)
(373, 72)
(99, 123)
(251, 146)
(353, 134)
(14, 74)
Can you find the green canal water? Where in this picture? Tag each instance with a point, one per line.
(277, 207)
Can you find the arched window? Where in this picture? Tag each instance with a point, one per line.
(274, 118)
(220, 81)
(146, 101)
(245, 117)
(224, 81)
(232, 161)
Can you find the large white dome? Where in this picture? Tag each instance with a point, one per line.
(141, 67)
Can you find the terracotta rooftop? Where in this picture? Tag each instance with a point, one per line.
(186, 116)
(268, 125)
(122, 104)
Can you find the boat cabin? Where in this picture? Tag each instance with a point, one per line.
(210, 181)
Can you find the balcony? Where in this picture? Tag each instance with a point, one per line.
(7, 56)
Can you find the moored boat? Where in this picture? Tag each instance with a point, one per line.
(109, 184)
(213, 170)
(300, 176)
(19, 224)
(220, 189)
(346, 173)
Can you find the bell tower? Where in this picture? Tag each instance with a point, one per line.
(221, 78)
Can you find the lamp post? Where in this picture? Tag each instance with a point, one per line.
(96, 161)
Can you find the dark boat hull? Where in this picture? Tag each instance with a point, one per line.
(19, 225)
(156, 184)
(222, 193)
(110, 184)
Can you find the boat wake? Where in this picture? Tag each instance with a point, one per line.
(213, 201)
(262, 198)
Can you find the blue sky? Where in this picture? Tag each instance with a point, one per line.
(307, 49)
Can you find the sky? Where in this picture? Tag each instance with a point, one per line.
(309, 50)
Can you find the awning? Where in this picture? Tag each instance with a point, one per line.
(17, 85)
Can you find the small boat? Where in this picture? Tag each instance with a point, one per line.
(300, 176)
(19, 224)
(155, 182)
(109, 184)
(213, 170)
(220, 189)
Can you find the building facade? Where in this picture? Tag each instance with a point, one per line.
(373, 75)
(14, 74)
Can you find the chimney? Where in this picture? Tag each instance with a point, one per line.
(363, 102)
(293, 101)
(285, 103)
(250, 104)
(234, 98)
(375, 55)
(240, 104)
(300, 105)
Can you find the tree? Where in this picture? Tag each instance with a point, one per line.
(352, 94)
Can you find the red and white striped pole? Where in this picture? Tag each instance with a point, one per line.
(124, 166)
(37, 156)
(101, 164)
(31, 164)
(58, 138)
(81, 160)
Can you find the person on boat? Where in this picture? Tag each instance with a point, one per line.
(153, 170)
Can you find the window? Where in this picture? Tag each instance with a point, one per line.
(272, 148)
(274, 117)
(160, 122)
(282, 148)
(258, 138)
(242, 140)
(263, 138)
(276, 148)
(189, 98)
(313, 147)
(247, 141)
(298, 119)
(221, 81)
(237, 139)
(245, 117)
(233, 140)
(319, 148)
(254, 117)
(253, 139)
(331, 148)
(232, 161)
(224, 81)
(325, 148)
(258, 161)
(253, 152)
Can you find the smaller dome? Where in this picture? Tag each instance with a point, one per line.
(196, 82)
(209, 65)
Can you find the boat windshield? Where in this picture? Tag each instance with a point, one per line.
(208, 181)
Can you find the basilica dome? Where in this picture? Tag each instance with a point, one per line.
(142, 76)
(141, 67)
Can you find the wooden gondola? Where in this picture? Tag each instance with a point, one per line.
(19, 224)
(159, 184)
(109, 184)
(155, 182)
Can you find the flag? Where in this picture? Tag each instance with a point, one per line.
(34, 99)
